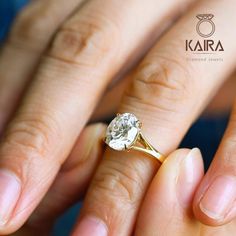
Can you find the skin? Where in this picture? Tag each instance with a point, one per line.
(73, 58)
(71, 182)
(163, 213)
(180, 173)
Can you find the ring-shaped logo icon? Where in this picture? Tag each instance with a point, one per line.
(205, 19)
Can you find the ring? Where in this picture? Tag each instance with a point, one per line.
(124, 134)
(205, 18)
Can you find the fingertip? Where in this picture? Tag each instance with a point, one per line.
(182, 154)
(180, 174)
(170, 194)
(91, 226)
(203, 218)
(214, 204)
(189, 176)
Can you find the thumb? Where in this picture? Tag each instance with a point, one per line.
(169, 199)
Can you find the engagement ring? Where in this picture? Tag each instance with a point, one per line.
(124, 134)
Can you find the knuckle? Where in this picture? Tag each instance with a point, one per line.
(29, 137)
(118, 183)
(30, 26)
(166, 77)
(86, 42)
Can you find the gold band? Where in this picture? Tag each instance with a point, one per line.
(147, 148)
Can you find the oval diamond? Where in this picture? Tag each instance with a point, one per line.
(122, 131)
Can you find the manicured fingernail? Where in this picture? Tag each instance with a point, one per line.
(187, 179)
(219, 197)
(9, 194)
(91, 226)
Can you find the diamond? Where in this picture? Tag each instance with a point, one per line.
(122, 132)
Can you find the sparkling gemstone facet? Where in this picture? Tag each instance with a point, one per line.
(122, 131)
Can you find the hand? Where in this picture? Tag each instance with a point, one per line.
(70, 184)
(167, 94)
(72, 50)
(94, 45)
(167, 206)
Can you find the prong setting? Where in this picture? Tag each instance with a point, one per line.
(122, 132)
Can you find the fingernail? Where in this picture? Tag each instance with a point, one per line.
(219, 197)
(91, 226)
(9, 193)
(187, 180)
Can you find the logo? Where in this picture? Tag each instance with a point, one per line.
(205, 28)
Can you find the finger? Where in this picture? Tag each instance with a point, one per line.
(29, 37)
(165, 97)
(224, 100)
(91, 46)
(169, 197)
(109, 103)
(71, 181)
(215, 199)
